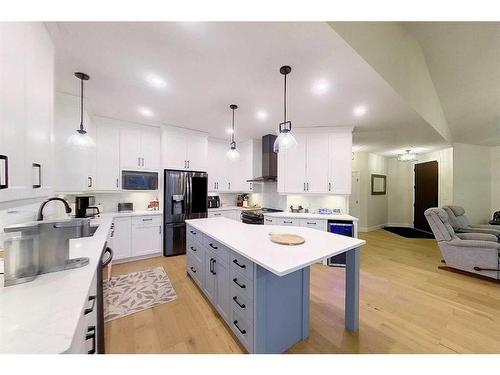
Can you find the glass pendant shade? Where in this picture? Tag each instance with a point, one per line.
(284, 141)
(81, 139)
(407, 156)
(232, 154)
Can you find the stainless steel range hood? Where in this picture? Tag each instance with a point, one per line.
(269, 161)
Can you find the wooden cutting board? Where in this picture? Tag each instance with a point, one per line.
(286, 239)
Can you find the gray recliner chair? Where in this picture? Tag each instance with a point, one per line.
(461, 224)
(478, 253)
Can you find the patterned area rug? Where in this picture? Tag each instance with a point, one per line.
(136, 291)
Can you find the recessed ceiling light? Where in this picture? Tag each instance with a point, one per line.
(359, 111)
(229, 131)
(261, 114)
(320, 87)
(156, 81)
(146, 112)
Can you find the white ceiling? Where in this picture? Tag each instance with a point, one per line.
(208, 66)
(464, 62)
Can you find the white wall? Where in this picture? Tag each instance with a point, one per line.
(495, 179)
(373, 208)
(472, 182)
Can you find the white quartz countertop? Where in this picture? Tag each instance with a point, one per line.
(230, 208)
(301, 215)
(252, 242)
(41, 316)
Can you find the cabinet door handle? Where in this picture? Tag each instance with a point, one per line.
(192, 232)
(159, 230)
(229, 186)
(150, 219)
(235, 261)
(91, 336)
(213, 267)
(311, 223)
(217, 185)
(242, 286)
(188, 164)
(243, 331)
(89, 181)
(304, 186)
(193, 248)
(193, 269)
(116, 182)
(287, 222)
(110, 257)
(4, 182)
(210, 269)
(88, 310)
(242, 305)
(138, 162)
(329, 186)
(38, 183)
(213, 246)
(307, 184)
(143, 162)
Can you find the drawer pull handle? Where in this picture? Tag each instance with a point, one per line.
(91, 308)
(192, 248)
(147, 219)
(288, 222)
(242, 286)
(91, 336)
(192, 269)
(243, 331)
(235, 261)
(311, 223)
(192, 232)
(212, 246)
(235, 299)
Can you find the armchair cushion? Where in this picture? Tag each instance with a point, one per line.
(478, 244)
(478, 236)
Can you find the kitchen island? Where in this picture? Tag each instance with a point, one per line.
(260, 288)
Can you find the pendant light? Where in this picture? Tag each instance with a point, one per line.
(285, 139)
(81, 139)
(233, 153)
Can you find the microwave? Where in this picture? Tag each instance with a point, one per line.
(138, 180)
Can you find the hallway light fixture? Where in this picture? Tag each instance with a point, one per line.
(81, 139)
(285, 139)
(233, 153)
(407, 156)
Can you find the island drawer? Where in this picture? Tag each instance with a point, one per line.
(195, 234)
(241, 303)
(195, 249)
(242, 265)
(147, 221)
(194, 269)
(218, 249)
(319, 224)
(243, 329)
(287, 221)
(241, 284)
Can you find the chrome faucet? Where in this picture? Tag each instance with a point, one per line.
(40, 210)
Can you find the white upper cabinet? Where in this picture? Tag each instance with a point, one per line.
(319, 164)
(340, 163)
(226, 175)
(184, 149)
(316, 163)
(108, 155)
(139, 147)
(26, 110)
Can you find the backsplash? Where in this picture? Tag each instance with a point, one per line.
(321, 201)
(109, 201)
(266, 195)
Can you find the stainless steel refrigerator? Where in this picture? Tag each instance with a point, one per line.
(184, 197)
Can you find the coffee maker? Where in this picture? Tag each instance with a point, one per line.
(83, 204)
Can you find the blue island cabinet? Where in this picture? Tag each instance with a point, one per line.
(266, 312)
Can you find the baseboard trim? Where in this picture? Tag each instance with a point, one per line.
(140, 257)
(372, 228)
(404, 225)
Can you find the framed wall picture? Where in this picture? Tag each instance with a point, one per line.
(379, 184)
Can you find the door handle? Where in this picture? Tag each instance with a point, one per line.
(242, 286)
(91, 336)
(244, 332)
(235, 261)
(5, 183)
(242, 305)
(91, 308)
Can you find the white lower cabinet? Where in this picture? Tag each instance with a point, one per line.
(287, 221)
(136, 236)
(320, 224)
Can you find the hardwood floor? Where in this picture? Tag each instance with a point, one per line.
(407, 305)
